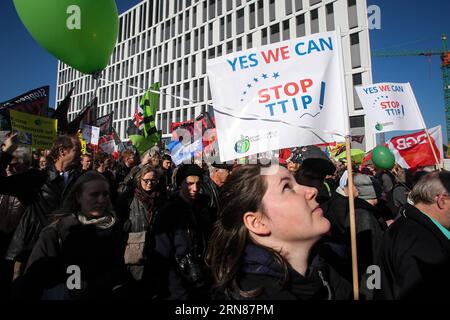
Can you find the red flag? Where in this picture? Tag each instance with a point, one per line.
(413, 150)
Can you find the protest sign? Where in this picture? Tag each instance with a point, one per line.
(287, 94)
(390, 106)
(38, 132)
(91, 134)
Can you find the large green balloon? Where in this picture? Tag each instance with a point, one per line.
(383, 158)
(81, 33)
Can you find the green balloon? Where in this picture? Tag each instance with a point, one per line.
(81, 33)
(383, 158)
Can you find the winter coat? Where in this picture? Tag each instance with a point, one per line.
(121, 172)
(370, 226)
(261, 271)
(414, 259)
(44, 201)
(210, 188)
(97, 252)
(140, 220)
(11, 211)
(181, 230)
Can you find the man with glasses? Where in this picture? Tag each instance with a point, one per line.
(415, 252)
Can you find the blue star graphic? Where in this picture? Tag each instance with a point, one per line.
(255, 79)
(264, 76)
(276, 75)
(245, 92)
(249, 85)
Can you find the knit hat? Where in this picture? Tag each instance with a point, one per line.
(186, 170)
(368, 188)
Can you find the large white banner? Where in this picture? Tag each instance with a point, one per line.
(390, 107)
(283, 95)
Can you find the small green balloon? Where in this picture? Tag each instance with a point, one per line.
(80, 33)
(383, 158)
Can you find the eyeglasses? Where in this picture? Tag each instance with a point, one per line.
(149, 181)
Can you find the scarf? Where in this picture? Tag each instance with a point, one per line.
(148, 199)
(105, 222)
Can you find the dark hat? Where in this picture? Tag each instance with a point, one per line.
(222, 165)
(186, 170)
(316, 160)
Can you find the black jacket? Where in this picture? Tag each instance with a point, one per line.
(210, 188)
(97, 252)
(261, 271)
(180, 230)
(414, 259)
(370, 226)
(44, 200)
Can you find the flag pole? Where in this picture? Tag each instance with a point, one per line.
(351, 202)
(432, 149)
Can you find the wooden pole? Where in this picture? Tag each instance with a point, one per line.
(432, 149)
(351, 203)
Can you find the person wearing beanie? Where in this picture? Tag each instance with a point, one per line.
(176, 268)
(370, 225)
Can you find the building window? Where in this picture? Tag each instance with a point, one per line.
(210, 33)
(240, 21)
(219, 7)
(252, 16)
(288, 6)
(229, 5)
(228, 26)
(229, 46)
(298, 5)
(355, 50)
(239, 44)
(212, 9)
(330, 16)
(357, 122)
(194, 17)
(272, 10)
(275, 33)
(300, 25)
(222, 29)
(313, 2)
(249, 41)
(286, 34)
(357, 81)
(352, 14)
(187, 44)
(264, 36)
(315, 21)
(260, 13)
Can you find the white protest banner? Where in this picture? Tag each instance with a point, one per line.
(91, 134)
(283, 95)
(390, 107)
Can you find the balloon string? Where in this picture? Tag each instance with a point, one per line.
(244, 116)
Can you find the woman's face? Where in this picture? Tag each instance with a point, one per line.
(148, 181)
(94, 199)
(293, 215)
(293, 167)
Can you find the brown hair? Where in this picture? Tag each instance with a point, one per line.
(144, 170)
(62, 142)
(242, 192)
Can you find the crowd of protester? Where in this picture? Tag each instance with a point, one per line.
(143, 228)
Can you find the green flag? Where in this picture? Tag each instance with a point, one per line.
(143, 133)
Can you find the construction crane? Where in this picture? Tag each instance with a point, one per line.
(445, 67)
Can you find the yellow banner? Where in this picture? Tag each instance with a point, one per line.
(38, 132)
(83, 142)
